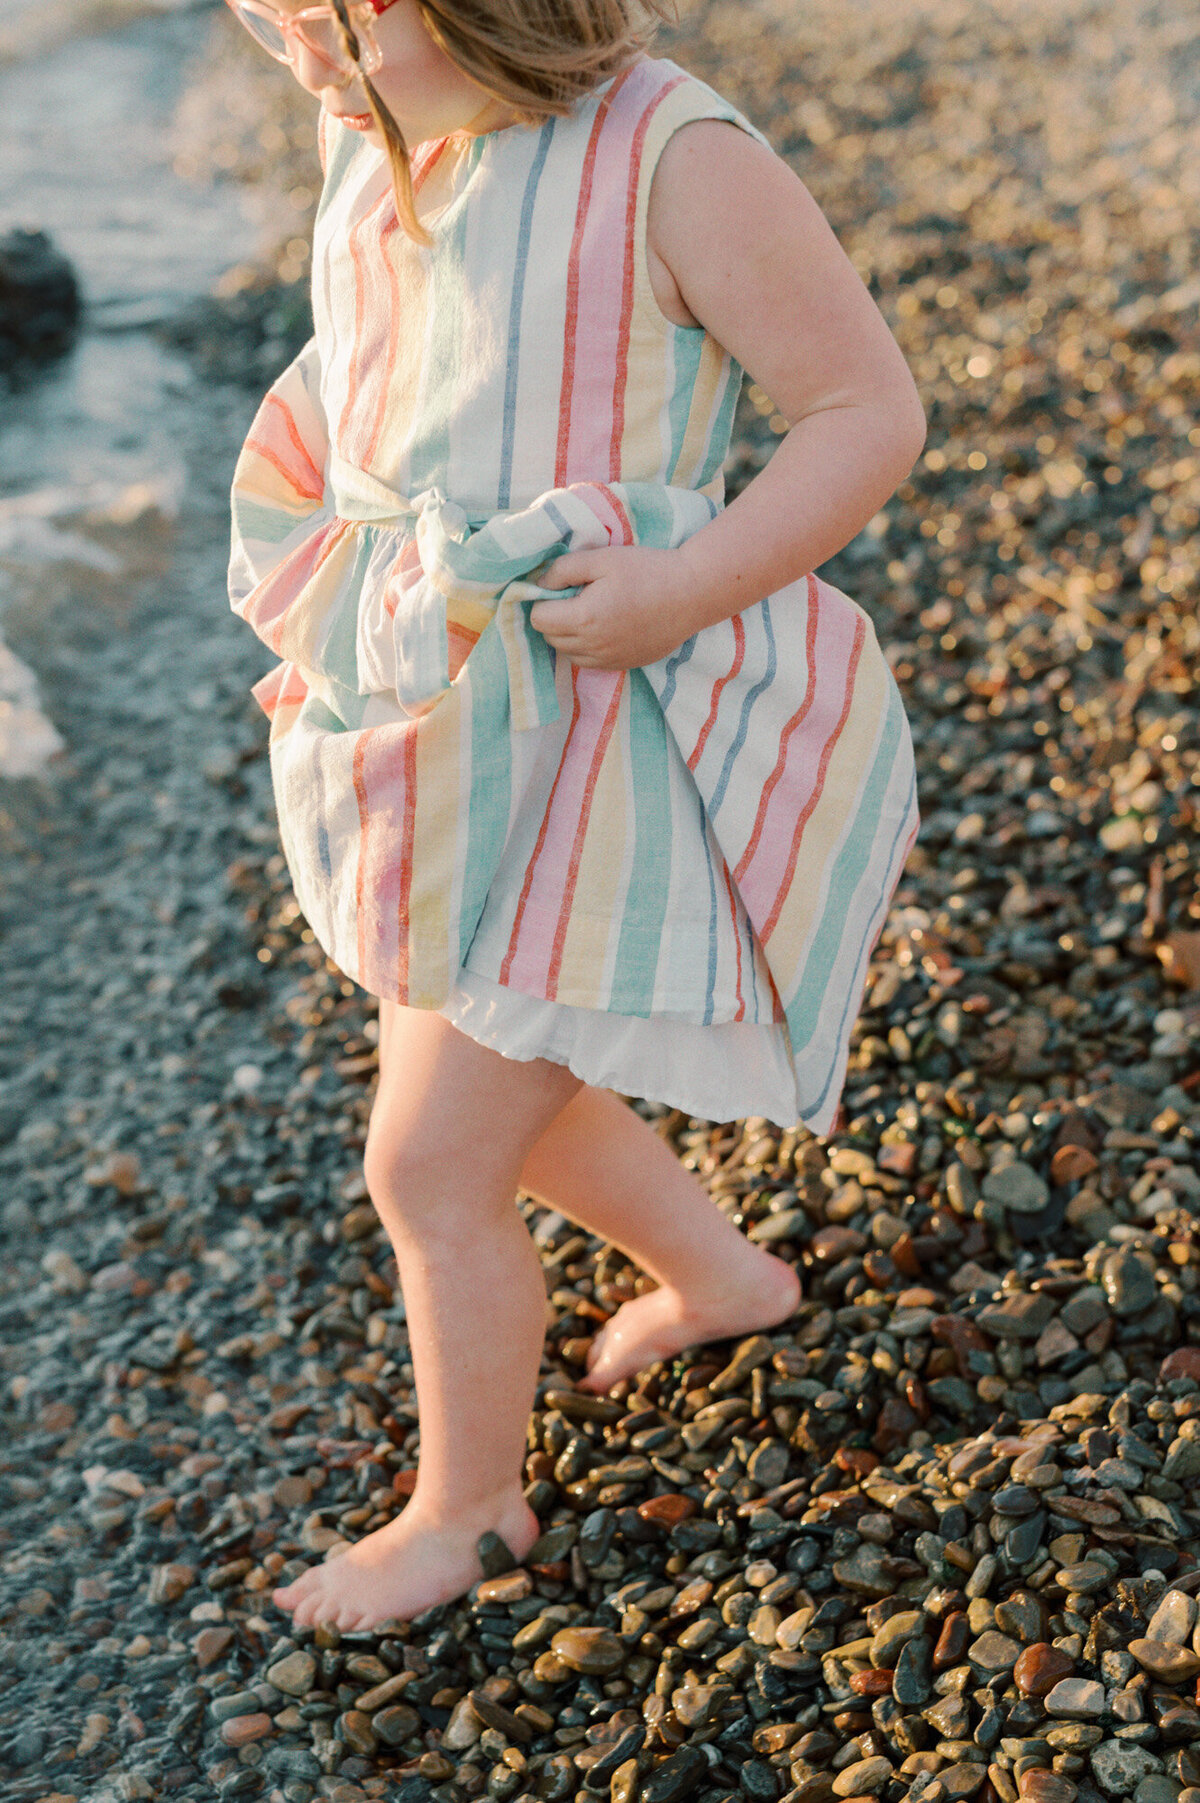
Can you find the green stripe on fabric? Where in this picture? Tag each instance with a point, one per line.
(338, 652)
(267, 525)
(806, 1010)
(645, 907)
(448, 275)
(486, 826)
(654, 513)
(687, 343)
(718, 440)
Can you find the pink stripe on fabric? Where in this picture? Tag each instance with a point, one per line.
(301, 472)
(408, 834)
(270, 600)
(593, 298)
(371, 312)
(380, 878)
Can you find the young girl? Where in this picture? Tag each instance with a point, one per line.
(585, 776)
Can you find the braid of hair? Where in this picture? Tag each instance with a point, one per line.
(393, 137)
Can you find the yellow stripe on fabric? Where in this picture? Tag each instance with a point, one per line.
(437, 851)
(410, 273)
(306, 625)
(826, 826)
(586, 948)
(259, 478)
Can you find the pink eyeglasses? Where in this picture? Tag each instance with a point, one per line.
(318, 30)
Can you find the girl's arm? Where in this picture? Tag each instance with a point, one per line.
(754, 260)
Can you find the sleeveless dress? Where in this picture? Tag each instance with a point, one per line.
(669, 879)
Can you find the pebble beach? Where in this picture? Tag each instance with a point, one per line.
(935, 1538)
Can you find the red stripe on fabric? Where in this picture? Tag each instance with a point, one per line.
(581, 212)
(527, 885)
(739, 652)
(860, 633)
(408, 835)
(564, 914)
(293, 432)
(737, 940)
(620, 510)
(796, 719)
(461, 641)
(627, 280)
(277, 463)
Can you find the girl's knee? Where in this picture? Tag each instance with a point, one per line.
(416, 1179)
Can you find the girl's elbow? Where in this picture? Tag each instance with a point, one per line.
(912, 428)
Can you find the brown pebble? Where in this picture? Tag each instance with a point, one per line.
(668, 1511)
(589, 1649)
(435, 1766)
(510, 1587)
(831, 1244)
(209, 1644)
(1040, 1667)
(1183, 1362)
(292, 1493)
(952, 1641)
(1040, 1786)
(240, 1730)
(1070, 1163)
(872, 1684)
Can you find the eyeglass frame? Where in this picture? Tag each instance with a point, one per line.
(369, 61)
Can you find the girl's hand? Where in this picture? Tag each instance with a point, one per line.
(631, 610)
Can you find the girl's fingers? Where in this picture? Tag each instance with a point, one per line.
(557, 620)
(573, 568)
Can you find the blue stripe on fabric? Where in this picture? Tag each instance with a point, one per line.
(847, 874)
(508, 431)
(320, 810)
(867, 938)
(639, 946)
(752, 695)
(673, 663)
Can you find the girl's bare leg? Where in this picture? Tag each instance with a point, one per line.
(451, 1128)
(603, 1166)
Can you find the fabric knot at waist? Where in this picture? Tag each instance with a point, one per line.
(377, 603)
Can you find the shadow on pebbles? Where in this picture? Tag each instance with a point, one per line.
(937, 1537)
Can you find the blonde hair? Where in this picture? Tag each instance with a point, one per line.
(536, 56)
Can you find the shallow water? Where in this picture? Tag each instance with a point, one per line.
(86, 107)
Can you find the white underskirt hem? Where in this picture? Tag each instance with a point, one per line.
(716, 1073)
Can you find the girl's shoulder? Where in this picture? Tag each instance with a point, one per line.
(660, 96)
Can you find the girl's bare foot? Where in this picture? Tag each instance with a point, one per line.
(664, 1321)
(409, 1565)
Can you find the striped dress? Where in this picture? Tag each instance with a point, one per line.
(670, 879)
